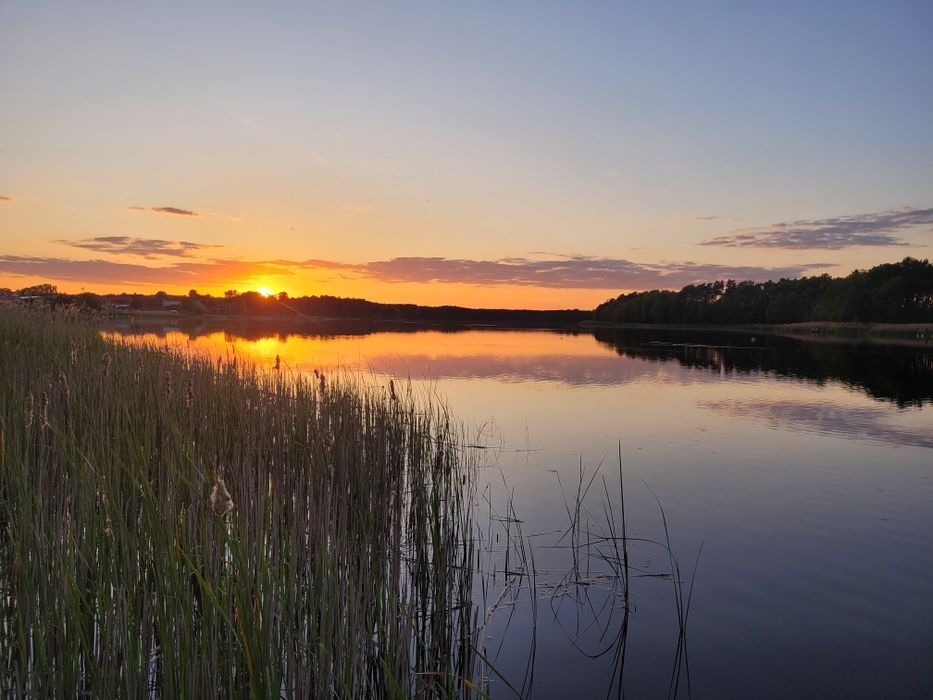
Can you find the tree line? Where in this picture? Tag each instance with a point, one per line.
(900, 292)
(282, 306)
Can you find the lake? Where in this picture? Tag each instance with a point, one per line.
(803, 468)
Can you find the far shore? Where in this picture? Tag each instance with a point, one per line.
(912, 334)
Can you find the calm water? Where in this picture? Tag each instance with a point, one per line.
(805, 470)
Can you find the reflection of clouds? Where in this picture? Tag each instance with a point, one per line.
(867, 422)
(566, 369)
(383, 354)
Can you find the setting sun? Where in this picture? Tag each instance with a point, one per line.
(265, 291)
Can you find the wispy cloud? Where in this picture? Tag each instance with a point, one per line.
(182, 273)
(5, 199)
(580, 272)
(557, 271)
(143, 247)
(167, 210)
(707, 218)
(878, 229)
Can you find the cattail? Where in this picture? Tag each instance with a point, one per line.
(323, 381)
(392, 395)
(108, 524)
(63, 384)
(43, 410)
(278, 363)
(168, 384)
(28, 411)
(105, 361)
(189, 393)
(74, 355)
(328, 439)
(220, 500)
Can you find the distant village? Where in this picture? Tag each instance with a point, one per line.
(160, 302)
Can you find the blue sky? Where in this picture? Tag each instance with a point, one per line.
(358, 134)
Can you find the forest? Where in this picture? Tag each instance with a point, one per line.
(900, 292)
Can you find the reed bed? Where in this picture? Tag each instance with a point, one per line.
(179, 526)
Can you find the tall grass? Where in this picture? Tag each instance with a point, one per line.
(190, 527)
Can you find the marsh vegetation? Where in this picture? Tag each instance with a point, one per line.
(180, 524)
(200, 528)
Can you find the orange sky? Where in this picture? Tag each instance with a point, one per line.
(497, 156)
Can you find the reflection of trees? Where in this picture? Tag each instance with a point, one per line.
(257, 329)
(899, 374)
(902, 375)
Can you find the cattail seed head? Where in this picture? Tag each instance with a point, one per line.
(63, 384)
(189, 393)
(220, 501)
(28, 411)
(168, 384)
(278, 363)
(74, 355)
(43, 409)
(105, 361)
(108, 524)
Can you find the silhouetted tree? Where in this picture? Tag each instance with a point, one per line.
(894, 292)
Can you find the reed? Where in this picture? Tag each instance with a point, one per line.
(187, 527)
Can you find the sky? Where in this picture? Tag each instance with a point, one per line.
(493, 154)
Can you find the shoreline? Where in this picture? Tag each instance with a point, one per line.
(906, 334)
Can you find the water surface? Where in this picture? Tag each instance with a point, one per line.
(804, 469)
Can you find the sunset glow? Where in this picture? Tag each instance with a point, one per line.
(265, 291)
(443, 164)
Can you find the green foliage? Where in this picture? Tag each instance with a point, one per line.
(894, 293)
(345, 567)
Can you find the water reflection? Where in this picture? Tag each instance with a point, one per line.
(903, 375)
(810, 495)
(865, 422)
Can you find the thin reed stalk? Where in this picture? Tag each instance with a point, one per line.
(175, 525)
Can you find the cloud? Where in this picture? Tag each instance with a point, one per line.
(869, 422)
(5, 199)
(143, 247)
(581, 272)
(557, 272)
(707, 218)
(167, 210)
(182, 273)
(878, 229)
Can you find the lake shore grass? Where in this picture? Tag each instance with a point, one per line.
(181, 526)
